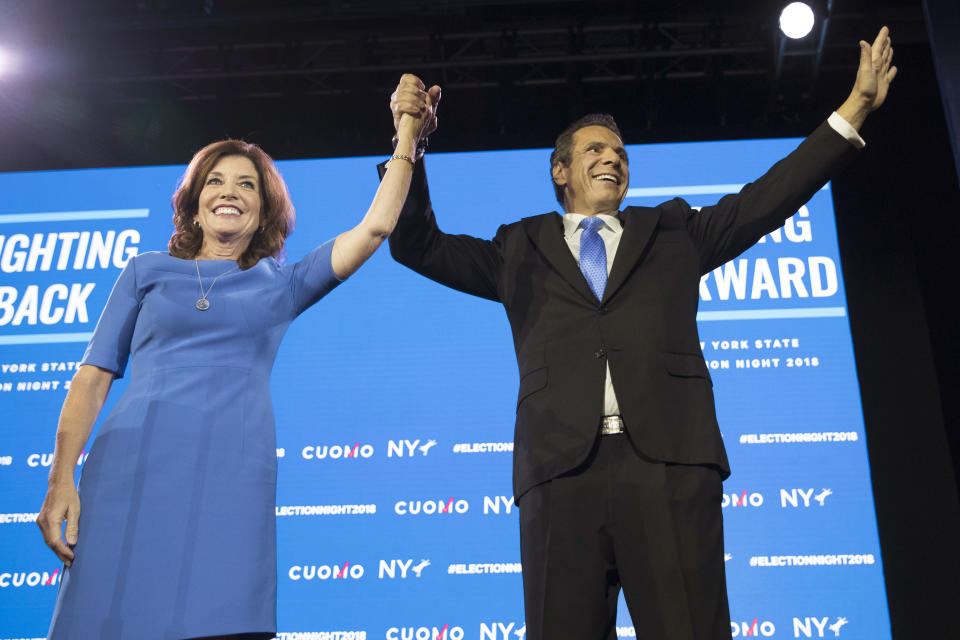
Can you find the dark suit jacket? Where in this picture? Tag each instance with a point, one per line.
(645, 326)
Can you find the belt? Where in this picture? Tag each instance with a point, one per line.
(611, 424)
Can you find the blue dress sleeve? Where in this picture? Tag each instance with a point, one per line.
(313, 277)
(109, 348)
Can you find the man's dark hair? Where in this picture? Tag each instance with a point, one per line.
(563, 147)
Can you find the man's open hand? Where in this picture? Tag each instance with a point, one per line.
(875, 73)
(874, 76)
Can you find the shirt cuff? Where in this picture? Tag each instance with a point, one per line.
(845, 129)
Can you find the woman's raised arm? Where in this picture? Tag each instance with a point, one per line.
(352, 248)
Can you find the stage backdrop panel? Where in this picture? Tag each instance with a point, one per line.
(395, 402)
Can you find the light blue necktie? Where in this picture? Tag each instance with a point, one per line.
(593, 255)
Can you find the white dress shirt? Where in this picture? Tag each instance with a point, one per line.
(612, 229)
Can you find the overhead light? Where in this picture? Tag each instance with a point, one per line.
(7, 62)
(796, 20)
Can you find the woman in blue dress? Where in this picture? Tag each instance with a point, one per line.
(177, 538)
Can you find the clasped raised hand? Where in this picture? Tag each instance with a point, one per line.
(413, 98)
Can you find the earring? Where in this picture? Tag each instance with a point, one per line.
(196, 222)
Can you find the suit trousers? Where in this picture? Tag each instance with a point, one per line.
(624, 520)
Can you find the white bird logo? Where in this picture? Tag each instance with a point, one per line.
(425, 448)
(820, 497)
(521, 632)
(424, 563)
(727, 557)
(835, 627)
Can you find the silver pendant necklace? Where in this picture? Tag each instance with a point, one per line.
(202, 304)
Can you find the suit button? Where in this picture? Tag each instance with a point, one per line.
(599, 354)
(603, 311)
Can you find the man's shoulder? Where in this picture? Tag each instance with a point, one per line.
(540, 217)
(531, 222)
(669, 206)
(677, 206)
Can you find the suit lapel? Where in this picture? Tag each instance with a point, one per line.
(546, 233)
(638, 225)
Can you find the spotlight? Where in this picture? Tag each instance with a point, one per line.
(796, 20)
(7, 62)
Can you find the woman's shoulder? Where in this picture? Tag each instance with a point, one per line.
(269, 263)
(153, 257)
(163, 261)
(147, 261)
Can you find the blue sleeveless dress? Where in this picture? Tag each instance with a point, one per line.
(177, 526)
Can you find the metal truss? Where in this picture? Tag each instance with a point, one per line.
(323, 51)
(522, 56)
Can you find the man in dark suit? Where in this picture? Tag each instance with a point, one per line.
(618, 460)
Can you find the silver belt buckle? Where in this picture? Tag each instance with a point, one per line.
(610, 425)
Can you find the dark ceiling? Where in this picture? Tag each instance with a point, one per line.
(149, 81)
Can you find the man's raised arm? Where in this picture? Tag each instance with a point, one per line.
(462, 262)
(723, 231)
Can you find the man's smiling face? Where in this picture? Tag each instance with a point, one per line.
(597, 177)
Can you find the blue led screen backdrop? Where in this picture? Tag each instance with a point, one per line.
(395, 401)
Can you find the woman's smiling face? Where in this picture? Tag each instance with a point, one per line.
(230, 203)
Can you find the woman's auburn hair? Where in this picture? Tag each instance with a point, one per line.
(277, 216)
